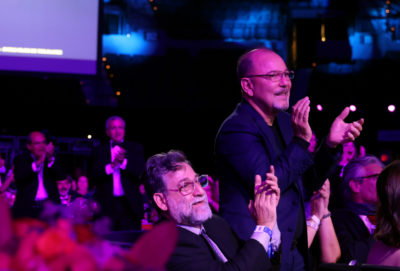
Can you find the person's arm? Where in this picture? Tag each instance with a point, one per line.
(321, 222)
(8, 180)
(330, 249)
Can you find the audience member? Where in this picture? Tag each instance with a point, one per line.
(313, 143)
(3, 169)
(35, 174)
(82, 186)
(258, 134)
(206, 241)
(354, 224)
(65, 190)
(114, 170)
(326, 248)
(386, 251)
(349, 152)
(212, 190)
(6, 175)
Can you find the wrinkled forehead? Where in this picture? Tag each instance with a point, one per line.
(173, 178)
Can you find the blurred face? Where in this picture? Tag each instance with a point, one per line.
(313, 143)
(192, 209)
(82, 184)
(349, 152)
(367, 188)
(38, 144)
(63, 187)
(268, 95)
(116, 130)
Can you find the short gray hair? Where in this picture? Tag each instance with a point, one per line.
(355, 169)
(112, 118)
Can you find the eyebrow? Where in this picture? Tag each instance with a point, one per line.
(187, 179)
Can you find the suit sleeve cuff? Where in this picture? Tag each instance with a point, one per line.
(301, 142)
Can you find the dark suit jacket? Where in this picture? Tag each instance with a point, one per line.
(246, 146)
(130, 176)
(27, 182)
(354, 238)
(193, 252)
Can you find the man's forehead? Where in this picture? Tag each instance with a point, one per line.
(184, 170)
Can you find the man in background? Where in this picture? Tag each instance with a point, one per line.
(114, 171)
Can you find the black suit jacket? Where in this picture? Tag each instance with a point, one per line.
(130, 176)
(193, 252)
(354, 238)
(246, 146)
(26, 181)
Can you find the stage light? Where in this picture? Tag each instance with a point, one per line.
(89, 136)
(391, 108)
(384, 157)
(319, 107)
(353, 108)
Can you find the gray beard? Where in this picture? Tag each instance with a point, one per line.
(188, 216)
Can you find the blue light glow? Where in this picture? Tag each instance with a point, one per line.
(135, 44)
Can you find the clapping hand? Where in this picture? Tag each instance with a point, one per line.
(266, 199)
(342, 132)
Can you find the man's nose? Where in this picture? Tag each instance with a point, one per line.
(198, 189)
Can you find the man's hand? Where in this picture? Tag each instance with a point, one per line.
(266, 198)
(300, 114)
(119, 156)
(342, 132)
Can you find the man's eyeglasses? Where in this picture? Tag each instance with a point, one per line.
(187, 187)
(275, 76)
(372, 176)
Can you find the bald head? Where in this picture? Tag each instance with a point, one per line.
(247, 63)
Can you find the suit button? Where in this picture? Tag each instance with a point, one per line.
(294, 203)
(290, 230)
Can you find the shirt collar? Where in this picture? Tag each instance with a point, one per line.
(194, 230)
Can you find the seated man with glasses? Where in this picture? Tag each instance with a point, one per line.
(355, 223)
(206, 241)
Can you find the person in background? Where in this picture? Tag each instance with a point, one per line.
(349, 152)
(6, 175)
(82, 186)
(322, 239)
(35, 174)
(65, 190)
(313, 143)
(386, 251)
(206, 241)
(355, 223)
(212, 190)
(114, 172)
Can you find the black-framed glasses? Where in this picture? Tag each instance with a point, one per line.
(275, 75)
(187, 187)
(372, 176)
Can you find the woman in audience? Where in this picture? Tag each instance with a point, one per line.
(326, 248)
(386, 251)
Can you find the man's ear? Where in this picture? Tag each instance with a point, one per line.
(160, 200)
(354, 186)
(247, 86)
